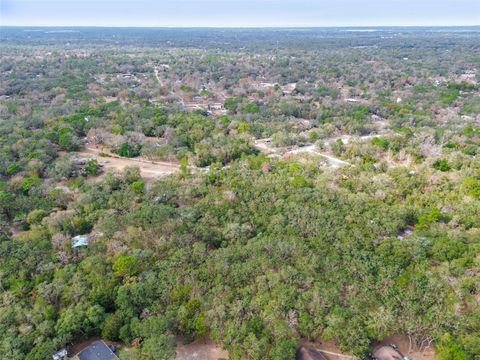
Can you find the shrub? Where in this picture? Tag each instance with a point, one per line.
(66, 139)
(448, 349)
(251, 108)
(127, 150)
(472, 186)
(432, 216)
(441, 165)
(35, 216)
(29, 182)
(92, 167)
(12, 169)
(138, 186)
(450, 145)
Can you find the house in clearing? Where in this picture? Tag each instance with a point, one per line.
(97, 350)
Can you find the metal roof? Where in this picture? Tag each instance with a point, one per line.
(98, 350)
(79, 240)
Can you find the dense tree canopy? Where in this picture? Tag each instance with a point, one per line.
(249, 241)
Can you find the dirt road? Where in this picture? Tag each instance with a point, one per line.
(267, 148)
(148, 169)
(312, 149)
(156, 75)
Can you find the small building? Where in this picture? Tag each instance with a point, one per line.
(215, 106)
(60, 355)
(97, 350)
(79, 240)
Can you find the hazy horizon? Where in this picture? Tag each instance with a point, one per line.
(360, 27)
(239, 14)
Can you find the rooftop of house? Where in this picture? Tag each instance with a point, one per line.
(79, 240)
(60, 355)
(98, 350)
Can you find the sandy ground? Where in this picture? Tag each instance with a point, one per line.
(149, 169)
(200, 350)
(347, 138)
(312, 149)
(264, 146)
(328, 349)
(208, 350)
(332, 352)
(405, 348)
(267, 148)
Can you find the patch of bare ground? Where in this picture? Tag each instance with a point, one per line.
(200, 350)
(328, 349)
(265, 147)
(149, 170)
(407, 347)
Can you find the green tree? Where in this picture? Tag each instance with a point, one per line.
(441, 165)
(127, 150)
(138, 186)
(111, 327)
(67, 140)
(449, 349)
(92, 167)
(126, 265)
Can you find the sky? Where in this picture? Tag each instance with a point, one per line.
(239, 13)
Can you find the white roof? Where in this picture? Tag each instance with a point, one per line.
(60, 355)
(79, 240)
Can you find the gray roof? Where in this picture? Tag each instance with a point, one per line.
(98, 350)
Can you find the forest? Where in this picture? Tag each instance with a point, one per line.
(254, 187)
